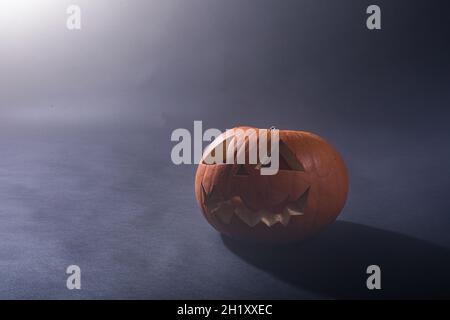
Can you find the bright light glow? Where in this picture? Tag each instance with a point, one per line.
(17, 15)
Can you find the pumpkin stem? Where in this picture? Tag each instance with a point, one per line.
(272, 128)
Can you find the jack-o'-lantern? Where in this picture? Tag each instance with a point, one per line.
(306, 194)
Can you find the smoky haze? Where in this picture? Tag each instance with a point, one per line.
(230, 62)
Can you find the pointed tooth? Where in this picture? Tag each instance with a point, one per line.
(269, 218)
(249, 217)
(293, 212)
(268, 221)
(224, 212)
(285, 217)
(279, 218)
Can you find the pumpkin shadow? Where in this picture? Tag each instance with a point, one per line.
(334, 263)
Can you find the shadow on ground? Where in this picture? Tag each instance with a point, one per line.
(334, 263)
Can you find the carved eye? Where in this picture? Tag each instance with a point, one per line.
(210, 157)
(287, 160)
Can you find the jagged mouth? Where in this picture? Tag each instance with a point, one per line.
(225, 209)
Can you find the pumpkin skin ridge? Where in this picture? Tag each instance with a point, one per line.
(316, 214)
(336, 158)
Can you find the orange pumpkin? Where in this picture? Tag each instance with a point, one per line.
(306, 194)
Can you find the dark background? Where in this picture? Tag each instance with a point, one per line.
(86, 116)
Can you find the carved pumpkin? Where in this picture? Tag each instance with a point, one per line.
(306, 194)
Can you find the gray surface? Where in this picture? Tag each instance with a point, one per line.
(128, 220)
(109, 201)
